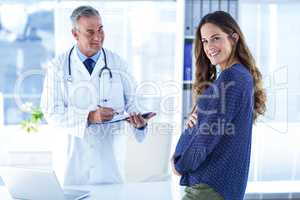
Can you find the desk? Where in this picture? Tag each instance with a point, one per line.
(130, 191)
(169, 190)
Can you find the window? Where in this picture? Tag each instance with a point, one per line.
(142, 32)
(272, 35)
(26, 42)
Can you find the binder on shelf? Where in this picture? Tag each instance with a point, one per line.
(215, 5)
(189, 17)
(196, 14)
(205, 7)
(224, 6)
(187, 66)
(233, 9)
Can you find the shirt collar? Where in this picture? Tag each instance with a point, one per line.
(82, 57)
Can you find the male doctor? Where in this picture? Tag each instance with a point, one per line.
(83, 88)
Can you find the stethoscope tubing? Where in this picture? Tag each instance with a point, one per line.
(69, 78)
(101, 71)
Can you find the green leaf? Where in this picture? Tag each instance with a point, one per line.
(31, 125)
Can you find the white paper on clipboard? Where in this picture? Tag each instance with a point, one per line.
(121, 117)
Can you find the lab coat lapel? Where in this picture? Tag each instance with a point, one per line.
(79, 66)
(98, 66)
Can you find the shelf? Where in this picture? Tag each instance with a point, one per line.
(189, 37)
(187, 86)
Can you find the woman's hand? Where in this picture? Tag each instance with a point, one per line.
(192, 120)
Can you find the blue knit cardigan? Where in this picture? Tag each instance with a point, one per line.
(216, 151)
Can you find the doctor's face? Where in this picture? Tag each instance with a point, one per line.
(89, 34)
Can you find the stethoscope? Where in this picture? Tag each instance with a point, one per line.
(69, 78)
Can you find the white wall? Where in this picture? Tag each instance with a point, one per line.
(272, 32)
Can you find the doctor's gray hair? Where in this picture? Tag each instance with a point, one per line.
(86, 11)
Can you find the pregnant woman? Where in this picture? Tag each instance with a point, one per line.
(213, 153)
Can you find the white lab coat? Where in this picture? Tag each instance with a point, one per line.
(95, 153)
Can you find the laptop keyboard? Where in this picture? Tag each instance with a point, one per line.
(73, 194)
(70, 197)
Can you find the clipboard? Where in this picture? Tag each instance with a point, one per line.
(121, 117)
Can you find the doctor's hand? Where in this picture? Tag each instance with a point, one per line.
(137, 121)
(101, 114)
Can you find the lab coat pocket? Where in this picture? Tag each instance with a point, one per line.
(82, 89)
(118, 101)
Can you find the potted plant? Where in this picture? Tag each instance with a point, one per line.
(31, 124)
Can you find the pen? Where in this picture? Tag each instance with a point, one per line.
(114, 112)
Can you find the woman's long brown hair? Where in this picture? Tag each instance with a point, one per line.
(206, 72)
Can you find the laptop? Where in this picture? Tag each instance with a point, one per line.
(33, 184)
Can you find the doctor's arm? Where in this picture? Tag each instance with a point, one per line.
(57, 110)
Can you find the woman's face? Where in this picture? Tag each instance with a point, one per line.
(217, 44)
